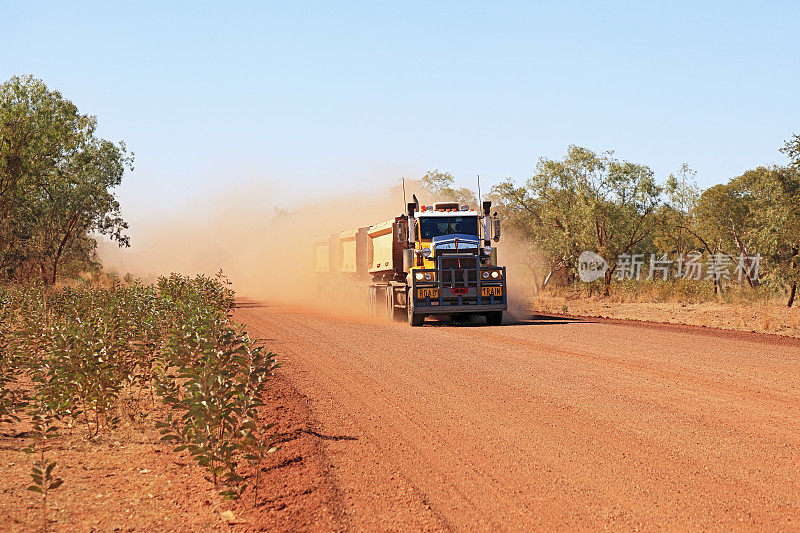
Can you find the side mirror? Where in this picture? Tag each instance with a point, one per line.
(496, 224)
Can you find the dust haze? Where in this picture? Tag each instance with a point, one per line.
(263, 246)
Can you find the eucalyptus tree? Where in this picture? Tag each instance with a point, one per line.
(757, 213)
(440, 185)
(682, 194)
(587, 201)
(773, 194)
(792, 151)
(56, 181)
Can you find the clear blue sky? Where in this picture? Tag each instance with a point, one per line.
(315, 94)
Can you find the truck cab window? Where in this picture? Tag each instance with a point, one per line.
(431, 227)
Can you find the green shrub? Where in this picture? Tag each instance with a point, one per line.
(95, 356)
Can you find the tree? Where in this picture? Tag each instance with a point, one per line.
(547, 228)
(792, 150)
(723, 223)
(755, 213)
(773, 194)
(588, 201)
(682, 195)
(56, 179)
(440, 186)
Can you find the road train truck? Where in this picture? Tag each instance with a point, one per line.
(435, 260)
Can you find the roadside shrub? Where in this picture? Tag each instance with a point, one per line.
(216, 388)
(93, 357)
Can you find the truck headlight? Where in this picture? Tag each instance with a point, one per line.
(428, 276)
(485, 274)
(419, 276)
(495, 274)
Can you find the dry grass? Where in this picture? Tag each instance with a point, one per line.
(681, 301)
(678, 290)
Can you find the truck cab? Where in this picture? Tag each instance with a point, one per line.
(452, 267)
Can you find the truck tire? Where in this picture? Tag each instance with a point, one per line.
(414, 319)
(495, 318)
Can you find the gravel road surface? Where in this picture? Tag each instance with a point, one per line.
(546, 422)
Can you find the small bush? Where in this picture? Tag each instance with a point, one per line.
(94, 356)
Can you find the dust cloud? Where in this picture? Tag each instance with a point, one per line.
(522, 261)
(264, 247)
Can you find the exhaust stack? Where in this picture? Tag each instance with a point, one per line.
(487, 222)
(412, 235)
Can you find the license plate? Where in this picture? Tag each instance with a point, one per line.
(491, 291)
(427, 293)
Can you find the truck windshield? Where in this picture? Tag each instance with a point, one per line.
(430, 227)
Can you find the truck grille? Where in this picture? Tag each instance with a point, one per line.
(459, 269)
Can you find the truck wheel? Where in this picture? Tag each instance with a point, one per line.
(414, 319)
(495, 318)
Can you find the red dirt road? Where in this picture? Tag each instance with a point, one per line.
(546, 423)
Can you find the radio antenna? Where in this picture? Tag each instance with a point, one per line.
(479, 190)
(404, 193)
